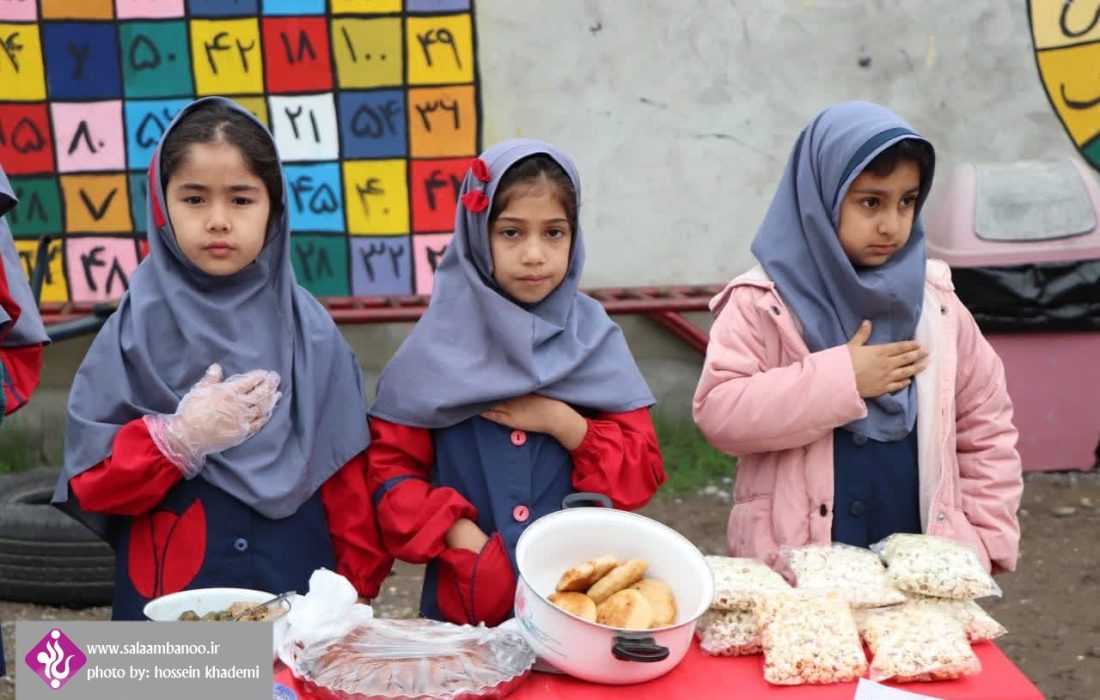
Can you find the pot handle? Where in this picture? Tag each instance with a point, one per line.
(643, 649)
(583, 498)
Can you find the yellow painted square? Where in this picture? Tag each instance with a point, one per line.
(96, 203)
(29, 81)
(376, 196)
(256, 105)
(442, 121)
(364, 7)
(1080, 23)
(227, 57)
(54, 288)
(440, 49)
(368, 52)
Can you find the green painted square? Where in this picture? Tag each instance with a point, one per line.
(156, 60)
(321, 263)
(1091, 152)
(139, 186)
(39, 209)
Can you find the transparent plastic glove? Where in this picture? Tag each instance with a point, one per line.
(213, 416)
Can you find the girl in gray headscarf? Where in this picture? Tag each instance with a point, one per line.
(844, 372)
(513, 391)
(216, 427)
(22, 334)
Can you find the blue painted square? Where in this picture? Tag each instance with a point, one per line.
(222, 8)
(139, 194)
(380, 265)
(315, 197)
(294, 7)
(81, 60)
(146, 121)
(430, 6)
(372, 124)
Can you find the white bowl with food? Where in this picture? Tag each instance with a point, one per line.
(576, 644)
(219, 604)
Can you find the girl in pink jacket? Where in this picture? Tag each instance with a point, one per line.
(844, 372)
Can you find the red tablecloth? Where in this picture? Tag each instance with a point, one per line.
(700, 677)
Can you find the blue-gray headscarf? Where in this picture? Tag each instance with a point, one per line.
(27, 328)
(176, 320)
(475, 346)
(799, 249)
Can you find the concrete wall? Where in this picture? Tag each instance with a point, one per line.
(681, 116)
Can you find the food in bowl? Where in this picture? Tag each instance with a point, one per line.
(615, 594)
(240, 611)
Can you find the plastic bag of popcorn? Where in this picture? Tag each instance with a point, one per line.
(934, 566)
(979, 625)
(809, 638)
(737, 582)
(728, 633)
(917, 643)
(855, 573)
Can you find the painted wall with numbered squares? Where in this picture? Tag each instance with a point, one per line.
(680, 117)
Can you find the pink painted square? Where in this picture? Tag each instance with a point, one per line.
(88, 136)
(427, 252)
(18, 10)
(132, 9)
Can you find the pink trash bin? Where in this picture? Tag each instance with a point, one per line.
(1023, 242)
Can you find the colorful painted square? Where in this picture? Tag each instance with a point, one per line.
(22, 72)
(156, 60)
(428, 250)
(26, 142)
(139, 195)
(364, 7)
(39, 210)
(315, 197)
(321, 263)
(99, 268)
(96, 203)
(54, 286)
(372, 124)
(222, 8)
(294, 7)
(368, 52)
(440, 49)
(78, 9)
(18, 10)
(89, 136)
(435, 186)
(140, 9)
(430, 6)
(227, 57)
(376, 197)
(443, 122)
(381, 266)
(82, 59)
(146, 122)
(305, 127)
(296, 53)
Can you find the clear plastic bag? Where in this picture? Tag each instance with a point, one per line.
(979, 624)
(809, 638)
(414, 659)
(917, 643)
(738, 581)
(934, 566)
(855, 573)
(728, 633)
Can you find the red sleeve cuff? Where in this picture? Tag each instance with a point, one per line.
(133, 480)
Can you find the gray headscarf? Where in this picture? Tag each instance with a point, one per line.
(176, 320)
(799, 249)
(475, 346)
(28, 328)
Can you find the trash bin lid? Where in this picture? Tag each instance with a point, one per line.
(991, 215)
(1031, 201)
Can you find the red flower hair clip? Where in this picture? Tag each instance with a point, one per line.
(480, 170)
(475, 201)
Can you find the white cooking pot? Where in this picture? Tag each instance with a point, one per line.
(588, 650)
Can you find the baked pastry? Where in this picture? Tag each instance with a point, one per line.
(582, 576)
(660, 600)
(626, 610)
(622, 576)
(575, 604)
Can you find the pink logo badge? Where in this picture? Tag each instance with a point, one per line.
(56, 659)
